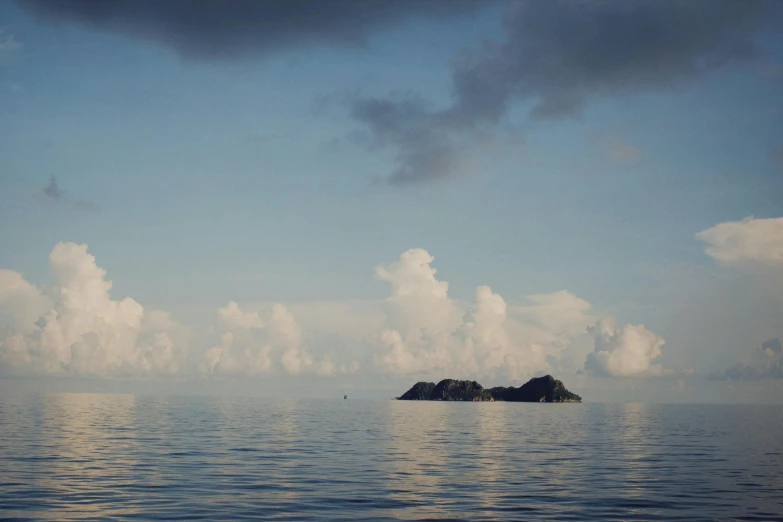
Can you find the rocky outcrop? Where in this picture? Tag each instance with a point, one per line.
(451, 390)
(421, 391)
(540, 389)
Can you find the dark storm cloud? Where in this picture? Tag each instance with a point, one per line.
(407, 125)
(559, 53)
(552, 55)
(226, 29)
(555, 56)
(771, 365)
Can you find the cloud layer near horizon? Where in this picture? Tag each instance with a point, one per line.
(77, 328)
(428, 335)
(767, 364)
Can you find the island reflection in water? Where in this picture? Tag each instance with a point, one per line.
(79, 457)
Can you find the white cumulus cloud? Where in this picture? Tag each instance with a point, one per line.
(85, 331)
(624, 351)
(250, 345)
(420, 315)
(21, 303)
(426, 332)
(232, 317)
(751, 241)
(418, 300)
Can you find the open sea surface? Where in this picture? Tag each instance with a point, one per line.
(124, 457)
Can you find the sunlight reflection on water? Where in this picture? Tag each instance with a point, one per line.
(81, 457)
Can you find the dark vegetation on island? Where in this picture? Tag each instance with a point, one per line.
(539, 389)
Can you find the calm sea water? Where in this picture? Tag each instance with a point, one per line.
(86, 457)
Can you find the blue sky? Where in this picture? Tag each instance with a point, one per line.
(198, 181)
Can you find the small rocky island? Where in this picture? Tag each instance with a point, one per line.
(538, 389)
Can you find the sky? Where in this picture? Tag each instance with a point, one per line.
(293, 198)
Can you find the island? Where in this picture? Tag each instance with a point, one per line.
(538, 389)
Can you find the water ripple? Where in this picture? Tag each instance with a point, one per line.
(91, 457)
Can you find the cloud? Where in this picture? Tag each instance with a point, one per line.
(555, 57)
(426, 148)
(776, 153)
(720, 313)
(352, 321)
(8, 42)
(85, 331)
(418, 300)
(616, 149)
(250, 345)
(232, 317)
(560, 53)
(15, 87)
(215, 30)
(772, 348)
(624, 154)
(76, 328)
(427, 333)
(738, 372)
(239, 352)
(748, 243)
(488, 344)
(420, 314)
(626, 351)
(559, 312)
(769, 365)
(85, 204)
(21, 303)
(752, 247)
(52, 190)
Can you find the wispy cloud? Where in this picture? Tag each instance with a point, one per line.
(8, 42)
(616, 149)
(777, 156)
(53, 192)
(85, 204)
(772, 70)
(624, 153)
(770, 365)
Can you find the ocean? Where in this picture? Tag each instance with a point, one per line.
(125, 457)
